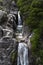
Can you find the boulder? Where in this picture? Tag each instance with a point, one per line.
(12, 21)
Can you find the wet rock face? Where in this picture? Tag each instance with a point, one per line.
(8, 44)
(7, 47)
(7, 19)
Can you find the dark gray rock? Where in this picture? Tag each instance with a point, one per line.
(7, 47)
(8, 44)
(12, 21)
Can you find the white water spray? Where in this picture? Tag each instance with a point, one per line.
(19, 18)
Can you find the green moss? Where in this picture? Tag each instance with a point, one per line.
(1, 0)
(13, 56)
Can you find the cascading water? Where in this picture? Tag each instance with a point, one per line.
(19, 27)
(22, 46)
(22, 54)
(19, 19)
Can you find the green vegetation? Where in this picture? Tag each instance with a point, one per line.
(1, 0)
(24, 6)
(14, 57)
(32, 11)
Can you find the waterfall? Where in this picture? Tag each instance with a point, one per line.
(19, 19)
(22, 46)
(22, 54)
(19, 31)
